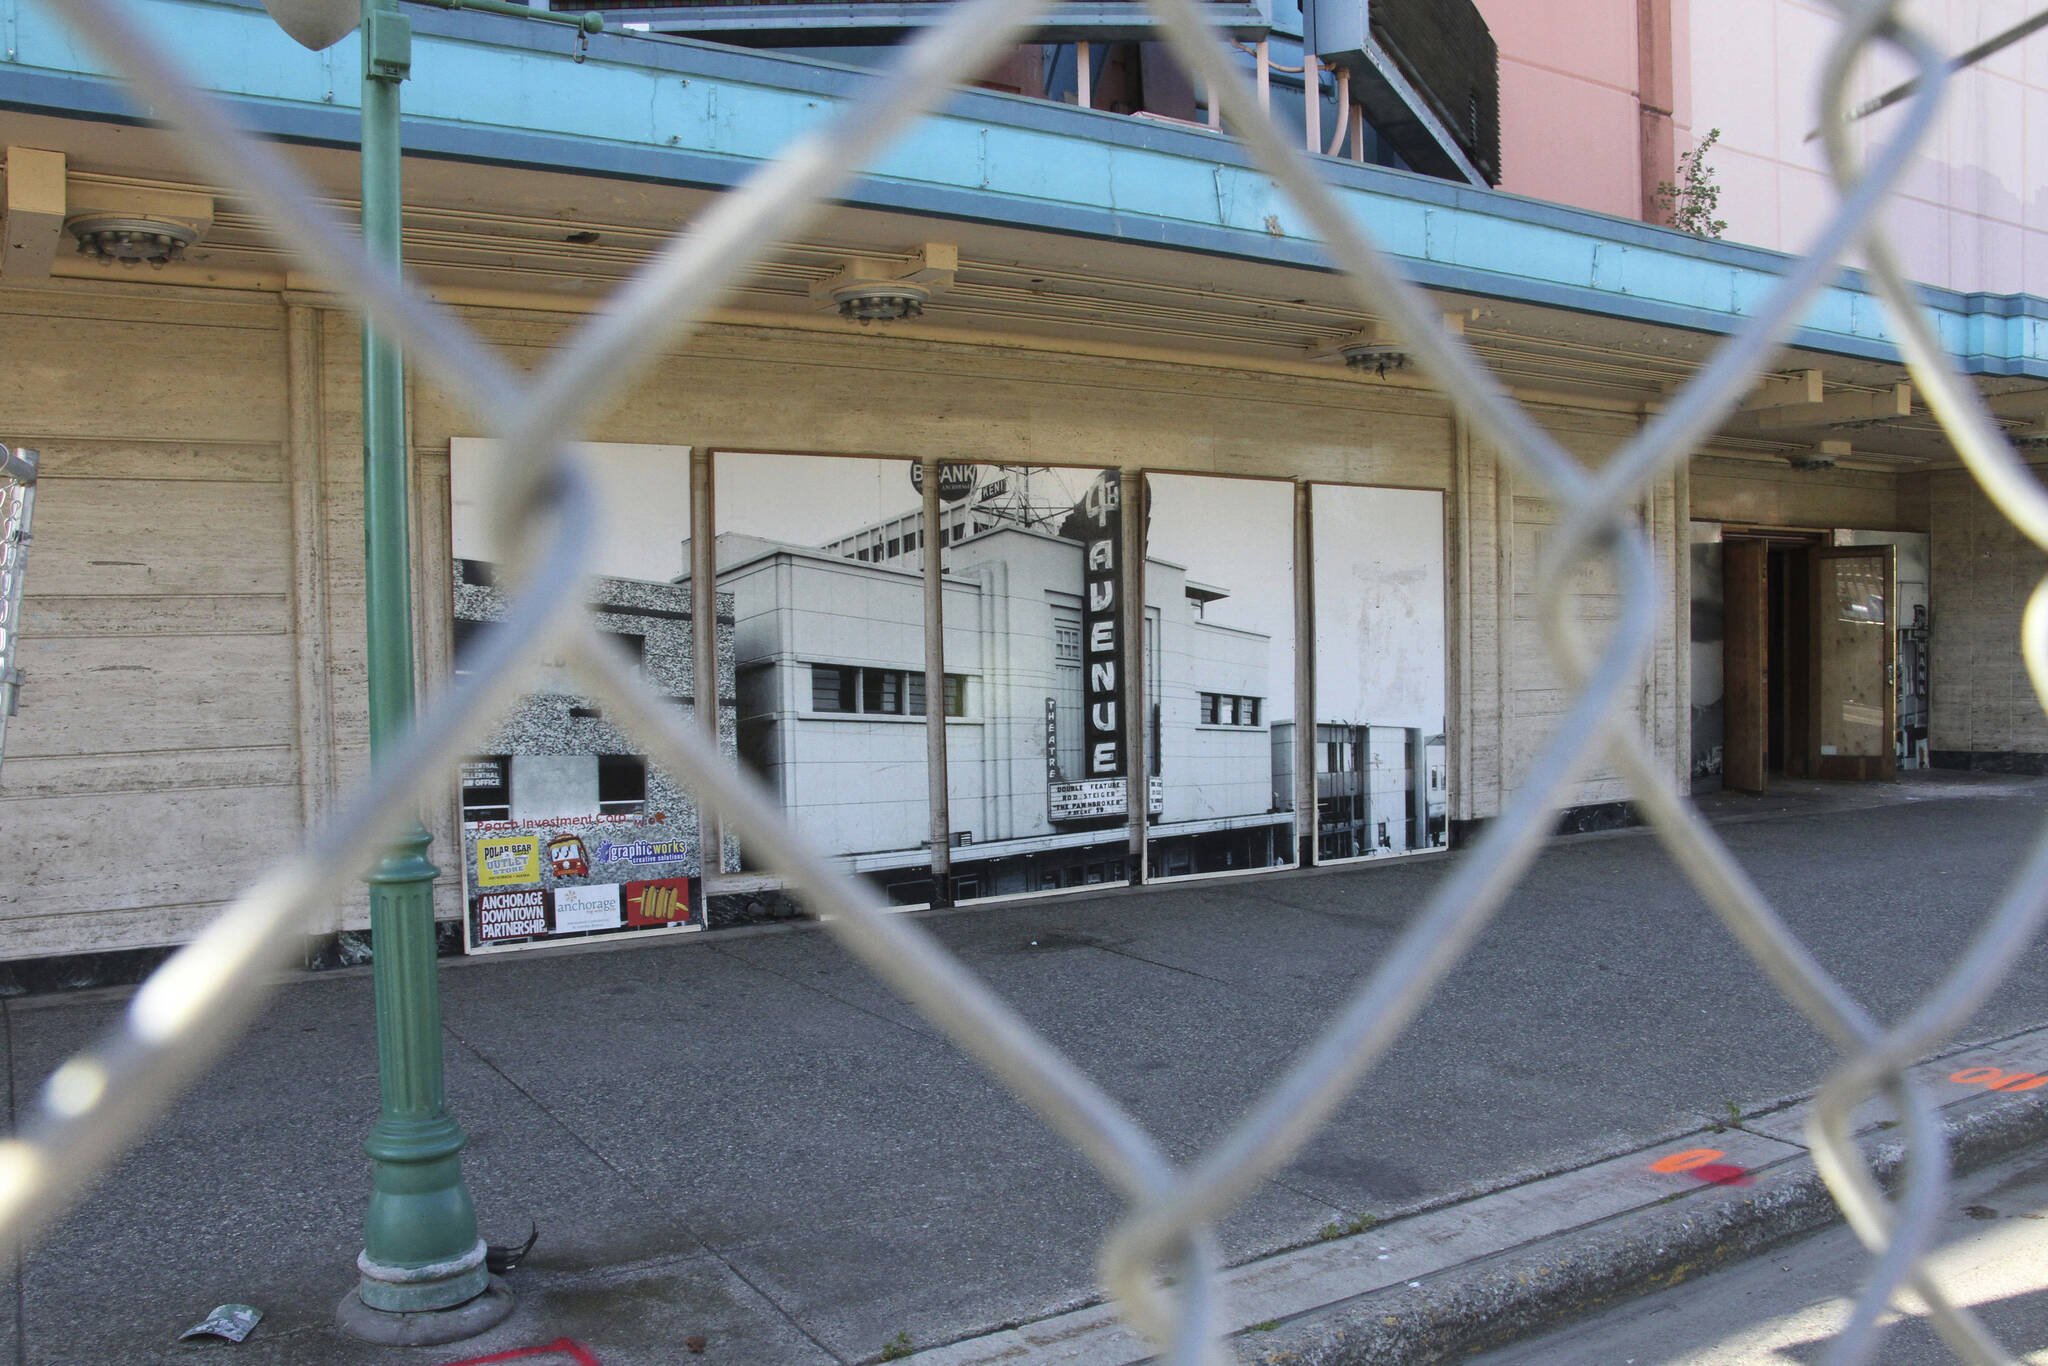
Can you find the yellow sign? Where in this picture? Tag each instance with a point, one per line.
(507, 860)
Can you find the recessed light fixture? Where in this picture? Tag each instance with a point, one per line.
(881, 301)
(864, 290)
(1378, 357)
(130, 240)
(1821, 457)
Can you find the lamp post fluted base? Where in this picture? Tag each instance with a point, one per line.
(422, 1275)
(427, 1327)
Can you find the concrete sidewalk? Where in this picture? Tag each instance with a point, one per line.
(742, 1136)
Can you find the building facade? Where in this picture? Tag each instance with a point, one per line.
(1101, 290)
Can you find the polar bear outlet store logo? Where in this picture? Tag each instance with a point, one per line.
(505, 860)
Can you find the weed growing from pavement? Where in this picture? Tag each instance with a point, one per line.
(1358, 1225)
(898, 1347)
(1268, 1326)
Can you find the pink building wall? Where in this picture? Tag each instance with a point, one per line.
(1578, 75)
(1972, 213)
(1573, 84)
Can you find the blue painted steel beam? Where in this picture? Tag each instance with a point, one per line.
(826, 24)
(670, 111)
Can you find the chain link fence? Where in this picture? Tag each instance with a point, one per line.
(1161, 1261)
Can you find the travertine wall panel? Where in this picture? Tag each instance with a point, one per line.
(1513, 714)
(870, 394)
(134, 694)
(1771, 493)
(150, 770)
(1981, 572)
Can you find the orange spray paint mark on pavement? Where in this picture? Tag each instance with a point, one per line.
(1687, 1160)
(1703, 1164)
(1997, 1079)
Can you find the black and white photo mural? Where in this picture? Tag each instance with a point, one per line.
(567, 831)
(1037, 767)
(1382, 781)
(824, 559)
(1219, 593)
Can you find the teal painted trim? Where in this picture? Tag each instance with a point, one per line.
(492, 89)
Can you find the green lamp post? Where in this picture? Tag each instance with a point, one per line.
(423, 1277)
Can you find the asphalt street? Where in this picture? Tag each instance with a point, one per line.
(744, 1136)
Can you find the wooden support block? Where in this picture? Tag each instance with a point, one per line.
(35, 213)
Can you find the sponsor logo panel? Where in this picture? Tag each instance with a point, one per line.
(511, 915)
(666, 901)
(507, 860)
(647, 851)
(582, 909)
(567, 856)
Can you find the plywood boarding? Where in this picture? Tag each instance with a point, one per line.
(212, 526)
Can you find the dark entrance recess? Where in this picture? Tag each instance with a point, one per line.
(1770, 656)
(1807, 659)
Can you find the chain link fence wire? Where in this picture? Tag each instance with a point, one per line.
(18, 471)
(1161, 1261)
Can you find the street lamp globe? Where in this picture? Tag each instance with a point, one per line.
(316, 24)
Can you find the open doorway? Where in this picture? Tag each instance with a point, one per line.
(1807, 658)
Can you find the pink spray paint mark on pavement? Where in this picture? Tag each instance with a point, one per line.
(1703, 1164)
(1721, 1174)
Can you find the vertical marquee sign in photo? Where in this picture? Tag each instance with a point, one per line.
(1102, 642)
(1097, 522)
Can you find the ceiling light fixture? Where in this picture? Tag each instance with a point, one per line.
(132, 241)
(882, 301)
(1822, 457)
(868, 291)
(1378, 357)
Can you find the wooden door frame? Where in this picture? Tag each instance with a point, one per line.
(1745, 665)
(1769, 682)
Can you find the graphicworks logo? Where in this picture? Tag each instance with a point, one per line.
(645, 851)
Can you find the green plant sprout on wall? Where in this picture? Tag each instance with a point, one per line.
(1688, 203)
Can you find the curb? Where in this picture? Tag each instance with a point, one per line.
(1497, 1300)
(1498, 1267)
